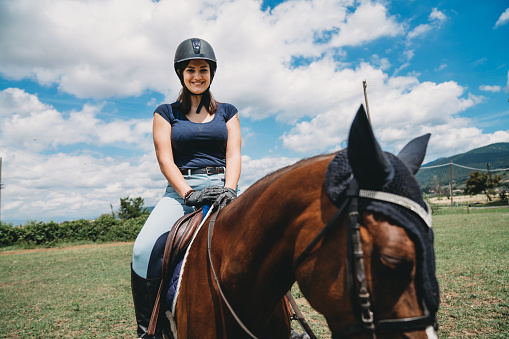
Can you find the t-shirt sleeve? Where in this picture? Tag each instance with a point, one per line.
(229, 112)
(166, 112)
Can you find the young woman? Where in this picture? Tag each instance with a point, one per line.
(197, 142)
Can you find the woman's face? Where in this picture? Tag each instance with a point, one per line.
(197, 76)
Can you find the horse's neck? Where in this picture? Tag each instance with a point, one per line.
(258, 233)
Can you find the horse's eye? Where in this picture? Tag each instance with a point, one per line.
(393, 262)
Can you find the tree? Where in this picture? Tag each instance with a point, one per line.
(480, 182)
(437, 186)
(132, 208)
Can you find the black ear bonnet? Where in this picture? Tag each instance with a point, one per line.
(399, 180)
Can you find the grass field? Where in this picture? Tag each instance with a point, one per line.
(473, 271)
(84, 291)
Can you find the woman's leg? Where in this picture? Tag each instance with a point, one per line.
(149, 246)
(148, 252)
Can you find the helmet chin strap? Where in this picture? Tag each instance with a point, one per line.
(200, 105)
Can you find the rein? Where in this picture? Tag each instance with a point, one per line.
(298, 314)
(209, 243)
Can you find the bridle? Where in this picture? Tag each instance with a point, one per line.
(359, 293)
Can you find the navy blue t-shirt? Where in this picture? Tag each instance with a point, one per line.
(198, 145)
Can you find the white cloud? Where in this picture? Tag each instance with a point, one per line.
(42, 182)
(28, 124)
(382, 63)
(436, 18)
(103, 49)
(355, 32)
(503, 19)
(487, 88)
(447, 140)
(400, 108)
(64, 186)
(419, 30)
(255, 169)
(479, 62)
(441, 67)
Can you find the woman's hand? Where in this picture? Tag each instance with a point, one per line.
(226, 197)
(206, 196)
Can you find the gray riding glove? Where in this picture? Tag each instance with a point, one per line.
(206, 196)
(226, 197)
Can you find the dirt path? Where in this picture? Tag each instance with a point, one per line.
(51, 249)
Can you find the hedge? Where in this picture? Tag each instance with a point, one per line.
(106, 228)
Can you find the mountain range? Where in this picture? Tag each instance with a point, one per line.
(496, 155)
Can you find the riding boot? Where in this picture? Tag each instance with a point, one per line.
(144, 297)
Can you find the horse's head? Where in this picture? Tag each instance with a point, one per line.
(387, 280)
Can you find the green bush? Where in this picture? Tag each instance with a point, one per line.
(105, 229)
(8, 234)
(37, 233)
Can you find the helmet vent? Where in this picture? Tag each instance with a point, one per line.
(196, 45)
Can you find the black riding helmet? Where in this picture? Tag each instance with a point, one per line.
(191, 49)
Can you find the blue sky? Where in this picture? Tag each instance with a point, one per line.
(79, 81)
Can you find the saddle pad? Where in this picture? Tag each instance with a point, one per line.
(172, 285)
(337, 178)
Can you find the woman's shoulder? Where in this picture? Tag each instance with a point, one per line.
(167, 111)
(227, 110)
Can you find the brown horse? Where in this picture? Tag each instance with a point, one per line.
(275, 234)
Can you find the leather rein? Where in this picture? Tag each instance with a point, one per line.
(298, 314)
(209, 254)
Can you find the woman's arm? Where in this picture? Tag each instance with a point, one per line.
(162, 143)
(233, 152)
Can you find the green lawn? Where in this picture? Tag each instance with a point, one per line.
(81, 292)
(84, 292)
(472, 263)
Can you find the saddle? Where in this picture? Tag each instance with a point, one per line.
(178, 240)
(176, 244)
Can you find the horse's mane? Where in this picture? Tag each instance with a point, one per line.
(271, 177)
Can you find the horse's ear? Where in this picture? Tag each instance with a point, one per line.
(369, 164)
(413, 153)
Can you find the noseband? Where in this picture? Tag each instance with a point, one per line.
(359, 293)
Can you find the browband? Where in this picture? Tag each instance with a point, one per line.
(399, 200)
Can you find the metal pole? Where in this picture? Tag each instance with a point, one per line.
(451, 183)
(489, 175)
(365, 85)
